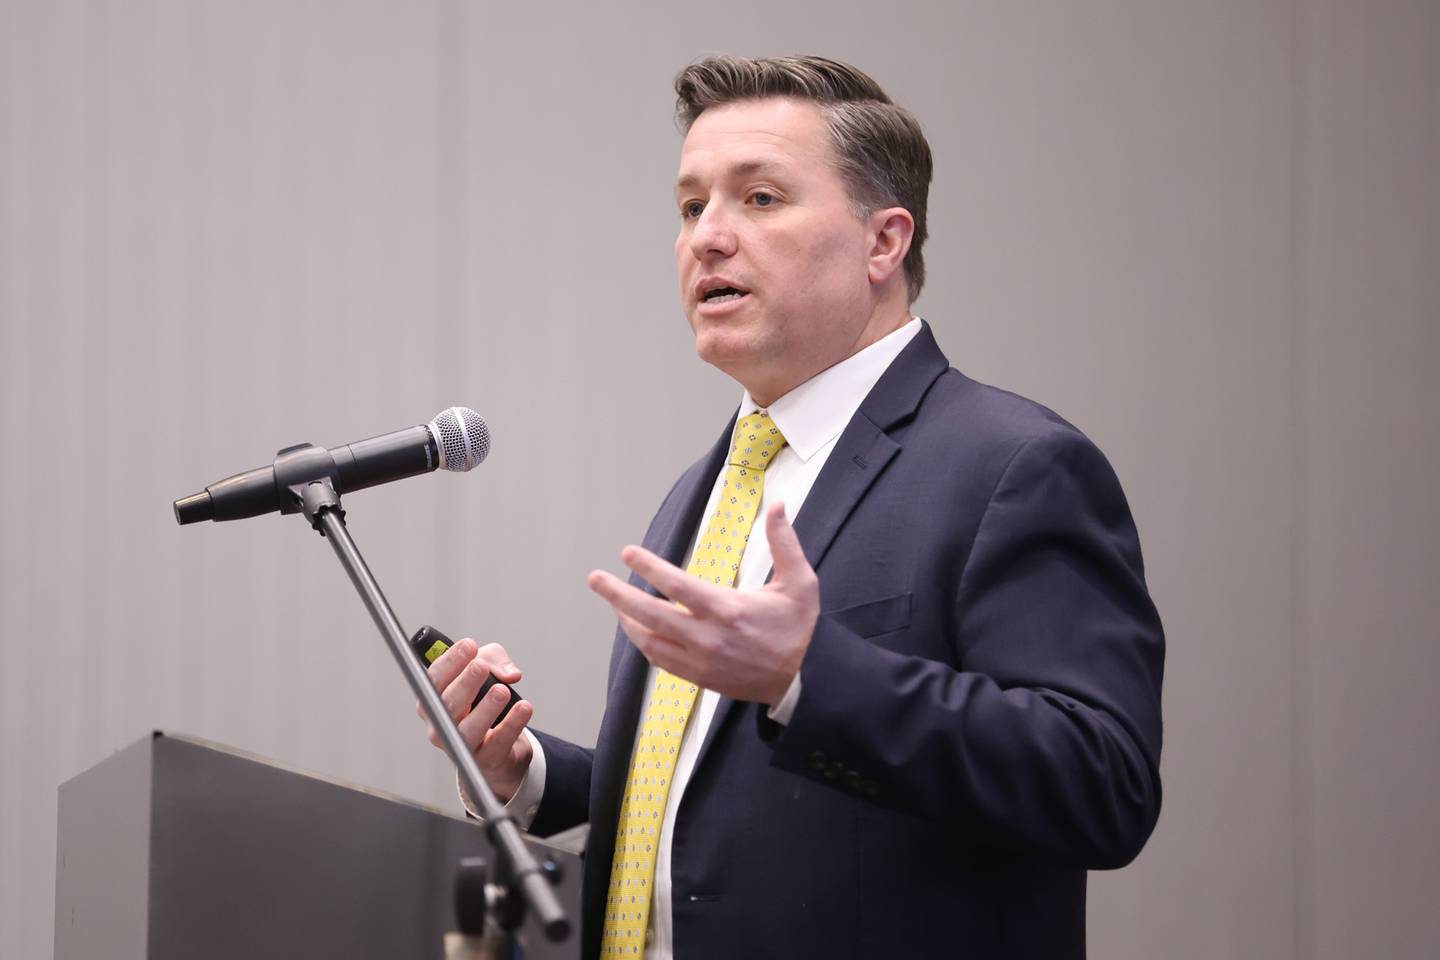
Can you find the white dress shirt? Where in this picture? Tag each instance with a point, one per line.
(811, 417)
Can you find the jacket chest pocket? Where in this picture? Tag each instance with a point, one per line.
(873, 617)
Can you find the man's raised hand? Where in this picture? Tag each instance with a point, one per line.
(745, 644)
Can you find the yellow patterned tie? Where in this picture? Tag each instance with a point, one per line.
(717, 558)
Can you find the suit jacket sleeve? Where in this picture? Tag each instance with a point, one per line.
(1042, 736)
(565, 802)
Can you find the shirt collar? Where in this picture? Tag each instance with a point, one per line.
(814, 413)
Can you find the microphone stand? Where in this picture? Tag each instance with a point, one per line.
(516, 869)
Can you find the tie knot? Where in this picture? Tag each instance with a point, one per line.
(757, 440)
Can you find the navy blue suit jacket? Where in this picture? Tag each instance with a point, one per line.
(979, 721)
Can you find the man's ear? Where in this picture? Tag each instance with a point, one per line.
(892, 229)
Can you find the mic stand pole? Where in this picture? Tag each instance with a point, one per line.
(320, 503)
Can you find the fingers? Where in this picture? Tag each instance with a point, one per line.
(787, 556)
(458, 698)
(643, 617)
(454, 666)
(502, 754)
(498, 662)
(461, 693)
(459, 672)
(474, 726)
(662, 652)
(656, 615)
(699, 596)
(497, 746)
(448, 665)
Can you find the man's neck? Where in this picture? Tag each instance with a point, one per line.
(766, 393)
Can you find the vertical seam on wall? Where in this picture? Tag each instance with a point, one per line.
(1430, 298)
(1302, 765)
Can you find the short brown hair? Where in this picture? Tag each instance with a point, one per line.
(879, 147)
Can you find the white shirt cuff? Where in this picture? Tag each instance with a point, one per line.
(785, 709)
(526, 802)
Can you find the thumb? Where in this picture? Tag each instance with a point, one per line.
(787, 556)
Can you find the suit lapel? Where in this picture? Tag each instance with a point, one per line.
(860, 456)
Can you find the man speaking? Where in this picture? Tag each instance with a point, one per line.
(887, 676)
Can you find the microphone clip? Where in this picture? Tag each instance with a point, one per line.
(307, 473)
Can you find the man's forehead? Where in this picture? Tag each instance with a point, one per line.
(739, 168)
(752, 136)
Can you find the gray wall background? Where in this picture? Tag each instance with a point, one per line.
(1205, 232)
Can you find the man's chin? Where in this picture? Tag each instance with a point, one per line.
(727, 350)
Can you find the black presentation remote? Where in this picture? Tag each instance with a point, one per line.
(428, 643)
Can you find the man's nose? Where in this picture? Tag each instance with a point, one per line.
(714, 234)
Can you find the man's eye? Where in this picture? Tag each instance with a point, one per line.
(763, 199)
(691, 209)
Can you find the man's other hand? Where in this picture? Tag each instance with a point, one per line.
(745, 644)
(502, 753)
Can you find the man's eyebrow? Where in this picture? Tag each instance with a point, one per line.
(746, 168)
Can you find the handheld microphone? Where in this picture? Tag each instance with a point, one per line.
(457, 439)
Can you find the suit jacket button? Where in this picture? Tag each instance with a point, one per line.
(817, 761)
(870, 788)
(852, 779)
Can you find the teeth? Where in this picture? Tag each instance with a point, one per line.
(724, 298)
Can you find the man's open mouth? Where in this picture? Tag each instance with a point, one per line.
(724, 295)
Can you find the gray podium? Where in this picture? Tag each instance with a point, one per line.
(177, 848)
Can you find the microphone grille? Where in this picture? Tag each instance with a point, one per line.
(462, 437)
